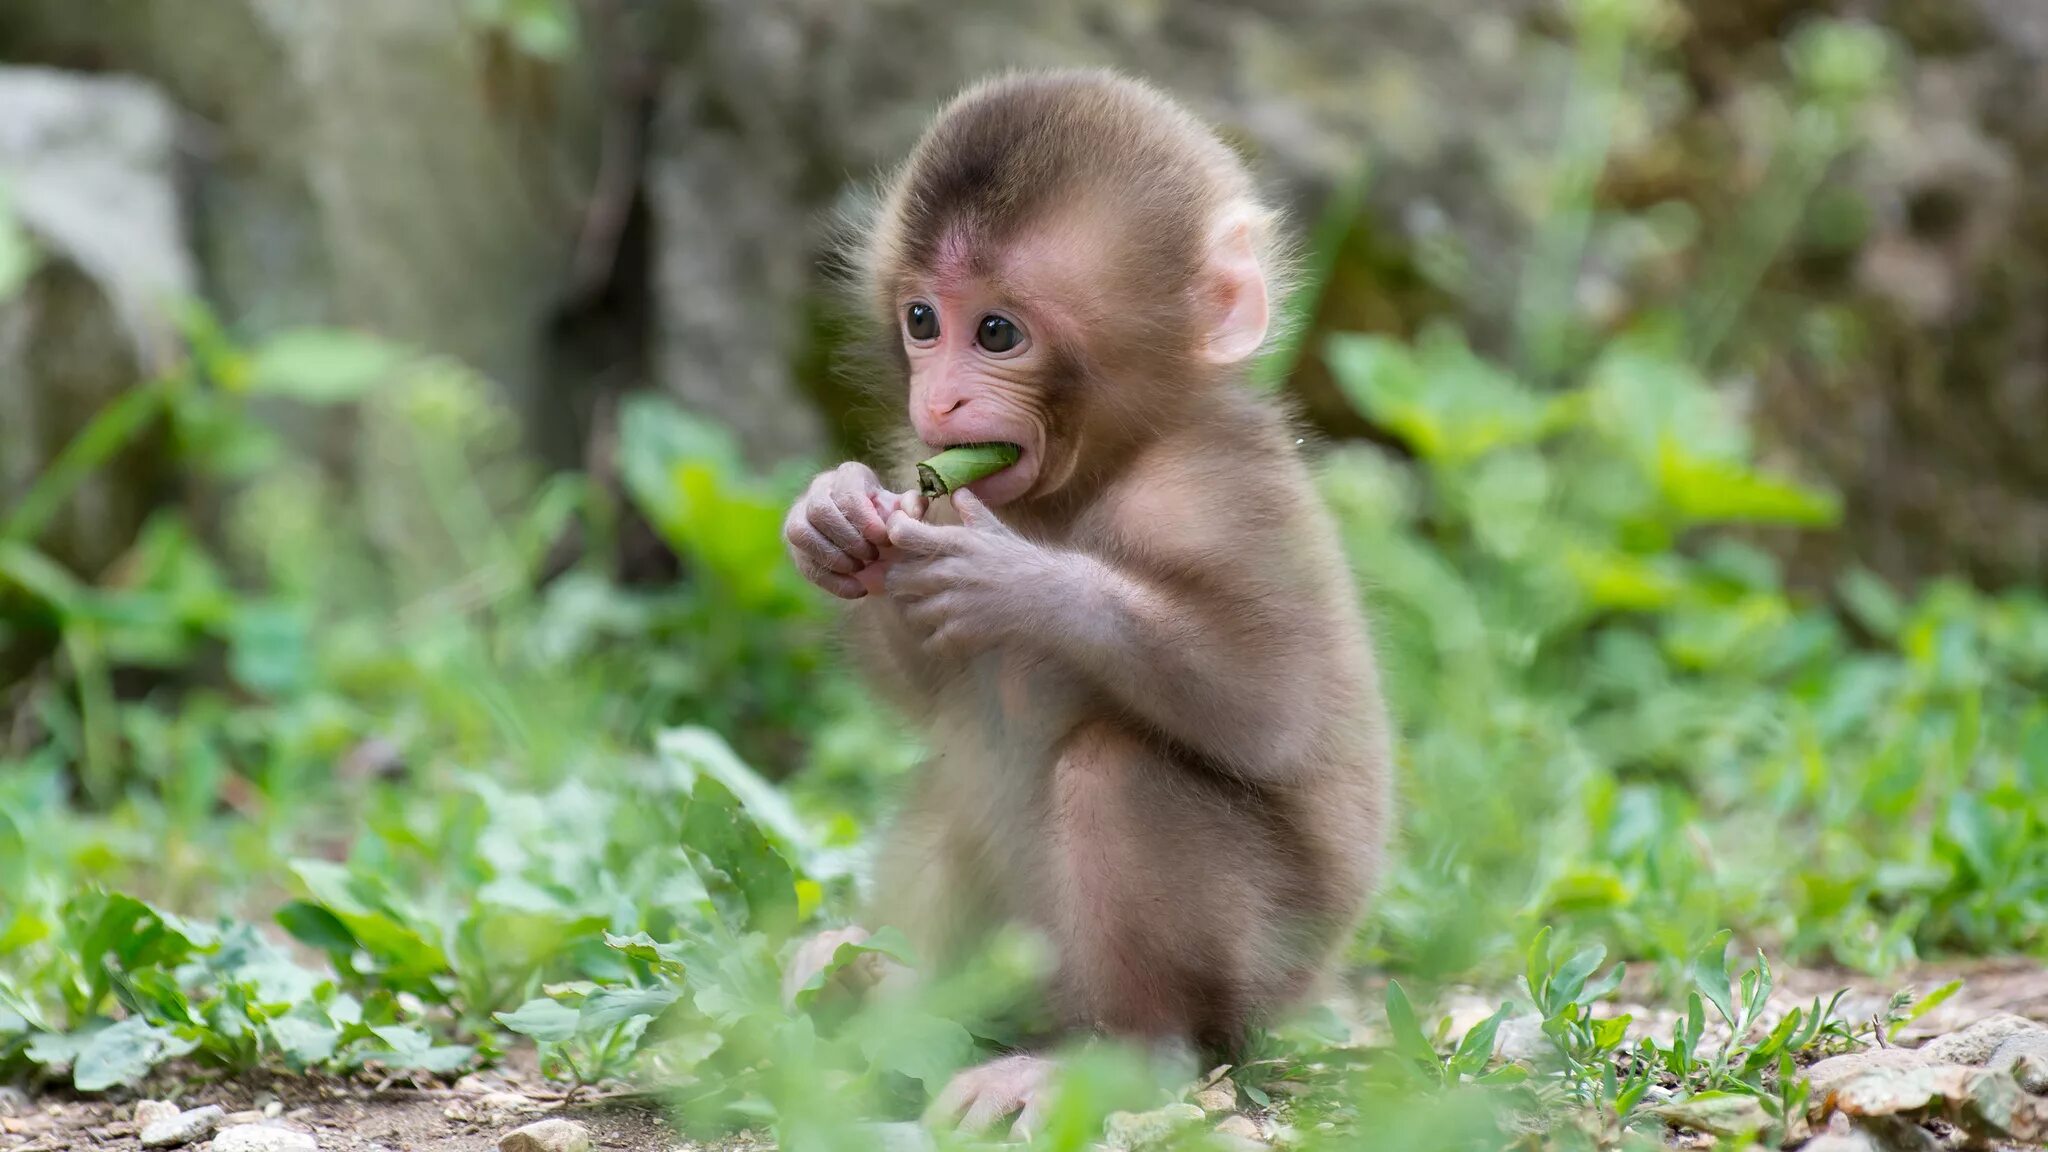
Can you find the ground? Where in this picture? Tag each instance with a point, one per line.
(471, 1114)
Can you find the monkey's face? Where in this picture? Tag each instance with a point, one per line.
(984, 367)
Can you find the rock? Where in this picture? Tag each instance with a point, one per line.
(547, 1136)
(1836, 1070)
(903, 1136)
(1977, 1043)
(2025, 1055)
(182, 1128)
(1218, 1097)
(274, 1109)
(1846, 1142)
(1239, 1125)
(148, 1112)
(263, 1138)
(245, 1116)
(1521, 1040)
(1135, 1131)
(506, 1103)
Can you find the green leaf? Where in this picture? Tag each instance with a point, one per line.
(322, 365)
(923, 1047)
(542, 1019)
(1406, 1031)
(123, 1054)
(717, 828)
(1570, 979)
(610, 1006)
(304, 1042)
(1447, 404)
(1475, 1051)
(1922, 1007)
(1710, 974)
(640, 946)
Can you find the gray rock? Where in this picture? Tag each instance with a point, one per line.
(1136, 1131)
(1835, 1070)
(1521, 1040)
(903, 1136)
(1240, 1126)
(547, 1136)
(263, 1138)
(2025, 1055)
(1977, 1043)
(183, 1128)
(148, 1112)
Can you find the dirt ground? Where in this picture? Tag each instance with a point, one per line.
(473, 1113)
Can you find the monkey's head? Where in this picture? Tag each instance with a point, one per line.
(1071, 262)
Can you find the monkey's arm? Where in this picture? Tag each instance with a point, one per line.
(1226, 664)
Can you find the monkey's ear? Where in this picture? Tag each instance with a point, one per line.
(1234, 289)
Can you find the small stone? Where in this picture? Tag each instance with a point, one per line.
(1241, 1126)
(182, 1127)
(1140, 1130)
(1218, 1097)
(1844, 1142)
(274, 1108)
(547, 1136)
(246, 1116)
(1521, 1040)
(506, 1103)
(2030, 1071)
(902, 1136)
(2018, 1051)
(148, 1112)
(1836, 1070)
(263, 1138)
(1977, 1043)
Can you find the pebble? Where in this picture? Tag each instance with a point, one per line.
(1239, 1125)
(1521, 1040)
(274, 1108)
(2025, 1055)
(1218, 1097)
(246, 1116)
(182, 1127)
(1977, 1043)
(148, 1112)
(1138, 1130)
(263, 1138)
(1837, 1070)
(547, 1136)
(505, 1102)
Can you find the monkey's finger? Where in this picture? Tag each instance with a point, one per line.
(831, 520)
(1032, 1121)
(920, 539)
(844, 587)
(989, 1107)
(953, 1100)
(812, 546)
(974, 513)
(858, 506)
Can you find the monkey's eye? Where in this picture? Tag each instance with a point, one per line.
(997, 334)
(921, 322)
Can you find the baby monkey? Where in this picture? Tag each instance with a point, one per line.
(1157, 728)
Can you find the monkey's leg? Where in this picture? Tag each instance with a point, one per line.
(1157, 902)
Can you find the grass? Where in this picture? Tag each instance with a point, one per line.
(322, 778)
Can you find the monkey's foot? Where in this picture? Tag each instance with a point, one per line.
(975, 1099)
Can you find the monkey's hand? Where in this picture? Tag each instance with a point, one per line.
(837, 530)
(964, 590)
(977, 1098)
(868, 971)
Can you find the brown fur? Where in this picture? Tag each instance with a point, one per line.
(1179, 772)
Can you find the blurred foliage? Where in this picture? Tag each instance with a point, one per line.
(351, 771)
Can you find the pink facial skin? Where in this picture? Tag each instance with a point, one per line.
(962, 392)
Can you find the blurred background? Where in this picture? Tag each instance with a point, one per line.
(399, 400)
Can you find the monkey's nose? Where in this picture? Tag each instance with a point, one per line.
(942, 408)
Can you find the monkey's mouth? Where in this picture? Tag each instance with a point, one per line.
(959, 465)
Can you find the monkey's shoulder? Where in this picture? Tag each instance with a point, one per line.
(1196, 501)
